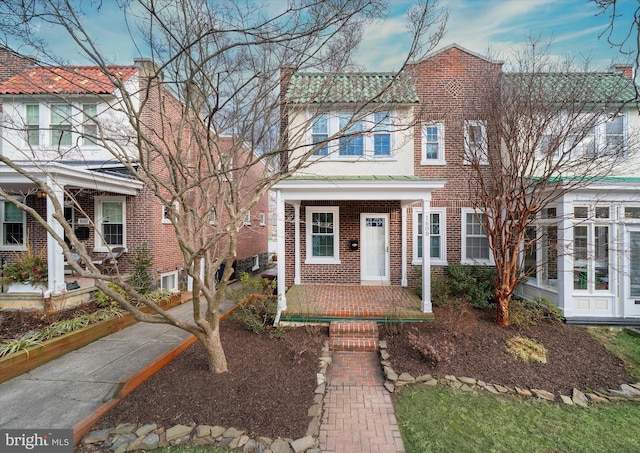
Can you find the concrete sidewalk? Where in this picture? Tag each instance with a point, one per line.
(72, 391)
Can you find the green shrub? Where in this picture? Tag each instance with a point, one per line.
(102, 300)
(257, 315)
(475, 283)
(141, 276)
(527, 313)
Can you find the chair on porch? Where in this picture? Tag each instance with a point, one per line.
(109, 264)
(76, 257)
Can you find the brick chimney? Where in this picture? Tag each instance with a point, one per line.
(11, 63)
(624, 69)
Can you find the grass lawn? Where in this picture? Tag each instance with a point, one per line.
(446, 420)
(621, 343)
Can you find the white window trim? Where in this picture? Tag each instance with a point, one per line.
(256, 263)
(263, 219)
(368, 133)
(214, 214)
(468, 152)
(591, 222)
(441, 158)
(247, 219)
(335, 259)
(18, 247)
(463, 231)
(442, 261)
(99, 245)
(164, 218)
(167, 274)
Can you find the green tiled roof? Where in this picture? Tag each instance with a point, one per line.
(356, 178)
(591, 87)
(325, 88)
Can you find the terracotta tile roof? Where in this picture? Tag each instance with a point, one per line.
(64, 80)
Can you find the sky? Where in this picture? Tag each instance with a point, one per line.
(498, 26)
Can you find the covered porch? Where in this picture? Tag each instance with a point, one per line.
(326, 303)
(366, 221)
(63, 184)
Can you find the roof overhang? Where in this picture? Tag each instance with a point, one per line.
(405, 190)
(65, 176)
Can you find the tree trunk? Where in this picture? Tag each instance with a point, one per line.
(215, 354)
(503, 297)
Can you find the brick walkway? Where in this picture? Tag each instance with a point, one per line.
(358, 412)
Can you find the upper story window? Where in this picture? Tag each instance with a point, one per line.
(354, 136)
(592, 137)
(352, 144)
(432, 144)
(614, 135)
(475, 142)
(65, 124)
(382, 134)
(320, 134)
(89, 126)
(33, 124)
(60, 125)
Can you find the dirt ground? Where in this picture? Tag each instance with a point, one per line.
(269, 386)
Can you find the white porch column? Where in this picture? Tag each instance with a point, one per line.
(296, 277)
(282, 300)
(403, 266)
(55, 258)
(565, 300)
(426, 257)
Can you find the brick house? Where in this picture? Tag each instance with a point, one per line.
(50, 115)
(354, 214)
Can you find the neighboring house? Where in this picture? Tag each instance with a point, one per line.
(354, 214)
(50, 116)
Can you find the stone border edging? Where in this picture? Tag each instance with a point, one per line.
(626, 392)
(129, 437)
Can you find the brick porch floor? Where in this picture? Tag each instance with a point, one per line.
(329, 302)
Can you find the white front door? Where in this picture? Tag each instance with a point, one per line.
(374, 248)
(632, 274)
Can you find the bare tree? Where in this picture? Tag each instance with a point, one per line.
(538, 143)
(215, 145)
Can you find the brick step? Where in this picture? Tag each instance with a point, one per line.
(353, 336)
(353, 344)
(353, 329)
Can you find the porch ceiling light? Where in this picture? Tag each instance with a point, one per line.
(41, 194)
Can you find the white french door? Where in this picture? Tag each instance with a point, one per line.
(374, 248)
(632, 274)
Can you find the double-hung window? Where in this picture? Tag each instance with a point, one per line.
(437, 239)
(614, 136)
(13, 225)
(432, 144)
(352, 143)
(320, 134)
(541, 249)
(89, 126)
(475, 142)
(382, 134)
(475, 244)
(60, 125)
(322, 236)
(33, 124)
(110, 223)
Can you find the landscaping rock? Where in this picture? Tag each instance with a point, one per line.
(629, 390)
(390, 374)
(95, 437)
(566, 400)
(384, 354)
(250, 446)
(145, 429)
(390, 386)
(523, 392)
(579, 398)
(177, 431)
(150, 442)
(232, 432)
(280, 446)
(124, 428)
(501, 388)
(543, 394)
(467, 380)
(431, 382)
(424, 378)
(491, 389)
(382, 344)
(320, 378)
(320, 389)
(303, 444)
(122, 440)
(597, 399)
(203, 430)
(406, 378)
(217, 431)
(315, 410)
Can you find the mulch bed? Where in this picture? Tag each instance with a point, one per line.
(269, 386)
(266, 392)
(469, 343)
